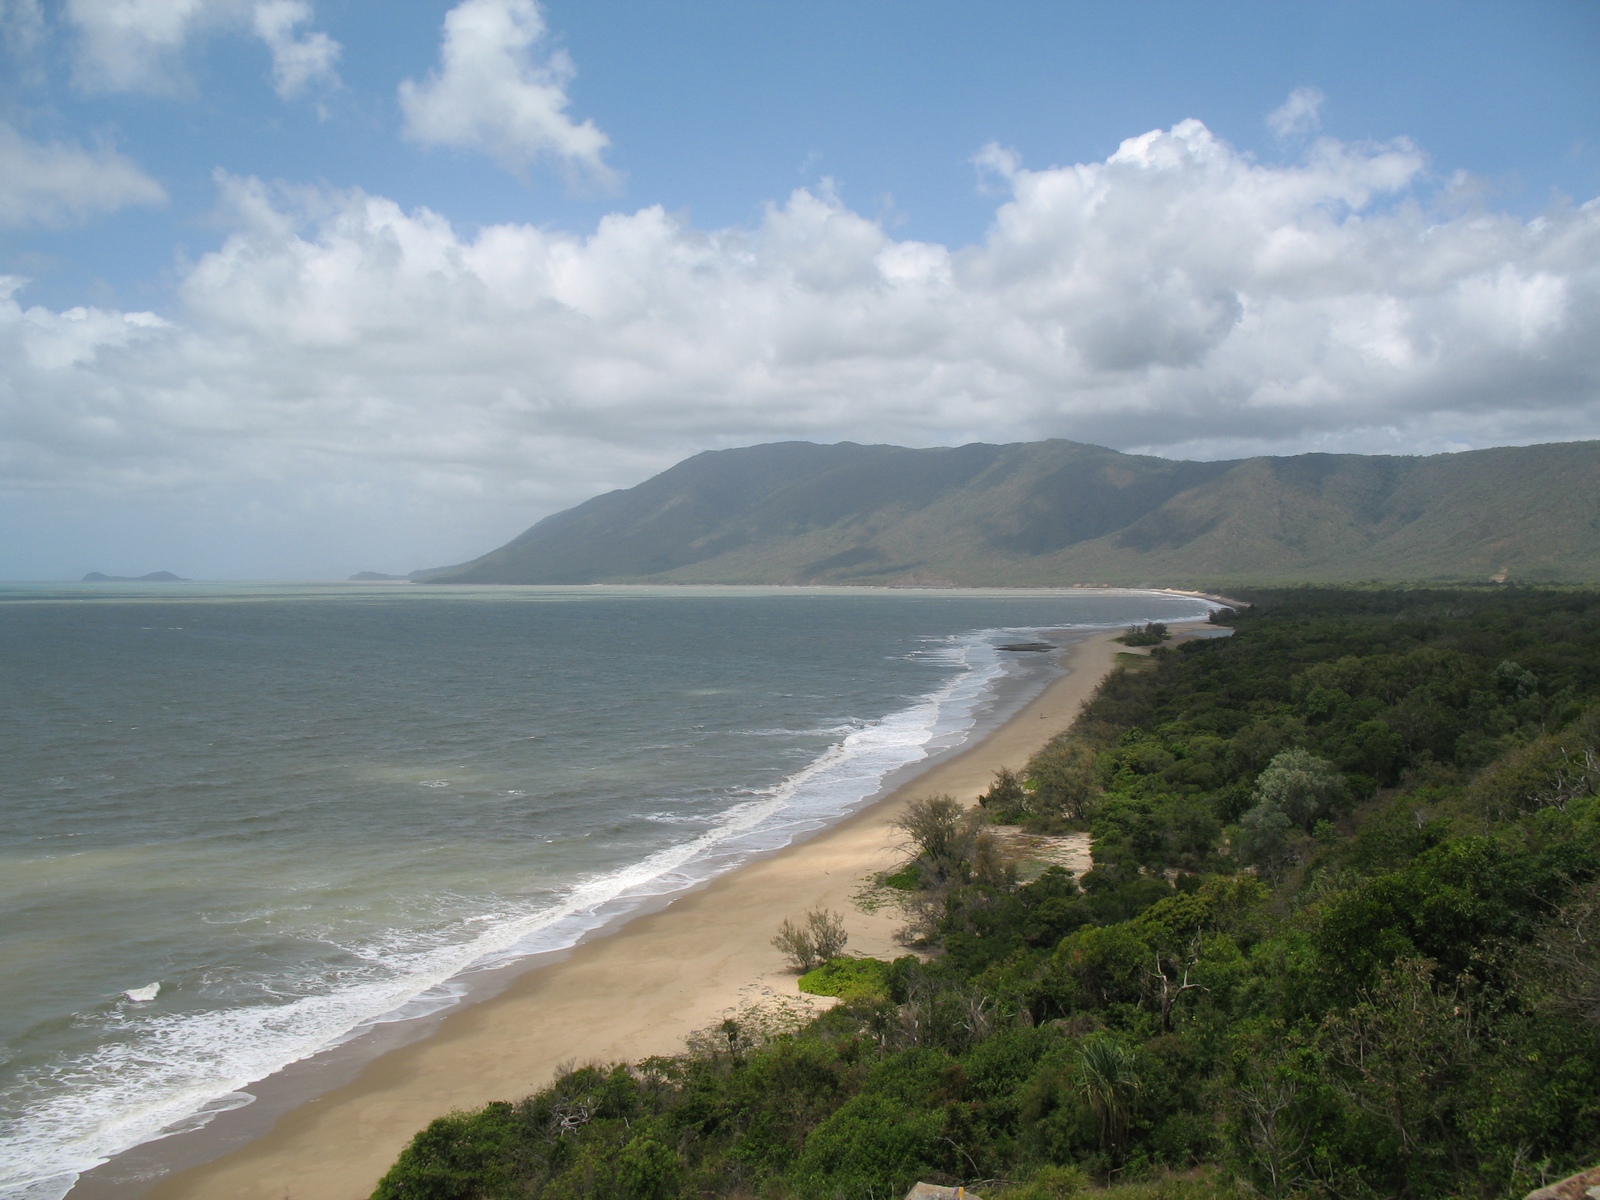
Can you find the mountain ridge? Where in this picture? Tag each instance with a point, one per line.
(1061, 513)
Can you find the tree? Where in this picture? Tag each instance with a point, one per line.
(1301, 786)
(1406, 1050)
(1151, 633)
(1562, 967)
(819, 937)
(936, 828)
(647, 1170)
(1262, 838)
(794, 943)
(1108, 1077)
(1274, 1142)
(1166, 982)
(1549, 772)
(989, 863)
(1005, 800)
(1063, 776)
(827, 933)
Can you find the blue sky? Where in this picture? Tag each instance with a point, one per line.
(291, 295)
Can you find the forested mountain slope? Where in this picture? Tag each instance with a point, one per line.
(1058, 512)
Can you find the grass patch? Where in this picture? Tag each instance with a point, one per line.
(907, 879)
(849, 979)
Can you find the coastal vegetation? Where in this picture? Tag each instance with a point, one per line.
(1340, 938)
(1151, 633)
(813, 941)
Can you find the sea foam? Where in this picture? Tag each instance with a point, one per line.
(171, 1071)
(463, 735)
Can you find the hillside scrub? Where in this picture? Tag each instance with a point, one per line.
(1400, 997)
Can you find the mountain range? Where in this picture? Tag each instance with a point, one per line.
(1064, 513)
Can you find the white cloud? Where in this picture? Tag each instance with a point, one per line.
(1300, 114)
(60, 183)
(139, 45)
(299, 59)
(498, 91)
(1177, 297)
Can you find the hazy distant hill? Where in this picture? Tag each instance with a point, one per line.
(1060, 512)
(153, 577)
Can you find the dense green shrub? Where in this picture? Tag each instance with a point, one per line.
(849, 979)
(1151, 633)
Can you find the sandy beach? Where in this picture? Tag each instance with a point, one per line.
(636, 992)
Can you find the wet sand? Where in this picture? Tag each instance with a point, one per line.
(636, 992)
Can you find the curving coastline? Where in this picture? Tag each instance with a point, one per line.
(637, 992)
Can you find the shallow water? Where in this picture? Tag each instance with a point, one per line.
(299, 810)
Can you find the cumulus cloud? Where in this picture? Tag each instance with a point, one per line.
(1177, 297)
(299, 57)
(1300, 114)
(499, 91)
(59, 183)
(139, 45)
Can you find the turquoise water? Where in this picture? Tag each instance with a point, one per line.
(282, 814)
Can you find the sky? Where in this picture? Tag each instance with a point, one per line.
(295, 288)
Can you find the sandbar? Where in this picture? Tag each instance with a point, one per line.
(636, 992)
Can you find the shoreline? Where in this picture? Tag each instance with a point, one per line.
(637, 989)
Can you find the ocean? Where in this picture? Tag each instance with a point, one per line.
(240, 824)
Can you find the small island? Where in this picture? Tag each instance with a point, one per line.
(153, 577)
